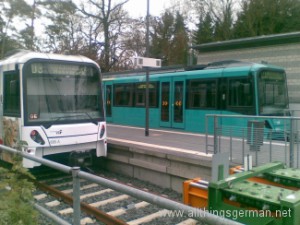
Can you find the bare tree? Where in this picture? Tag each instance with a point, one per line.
(11, 10)
(63, 29)
(132, 43)
(108, 19)
(28, 34)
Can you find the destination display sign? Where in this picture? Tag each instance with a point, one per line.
(60, 69)
(271, 75)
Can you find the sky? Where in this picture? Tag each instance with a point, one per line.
(138, 8)
(135, 8)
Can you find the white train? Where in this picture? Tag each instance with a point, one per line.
(51, 104)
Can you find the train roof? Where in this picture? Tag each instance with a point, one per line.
(22, 56)
(210, 68)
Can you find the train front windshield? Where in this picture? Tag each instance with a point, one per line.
(57, 93)
(273, 98)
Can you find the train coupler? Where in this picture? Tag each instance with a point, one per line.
(81, 159)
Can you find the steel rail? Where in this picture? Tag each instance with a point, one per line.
(90, 210)
(198, 214)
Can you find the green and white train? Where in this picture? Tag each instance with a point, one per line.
(51, 104)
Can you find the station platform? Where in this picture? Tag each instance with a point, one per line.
(177, 155)
(180, 143)
(166, 157)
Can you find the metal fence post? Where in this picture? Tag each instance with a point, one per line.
(206, 133)
(292, 141)
(76, 196)
(243, 146)
(230, 144)
(297, 141)
(270, 149)
(216, 134)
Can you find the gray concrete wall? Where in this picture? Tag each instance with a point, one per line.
(164, 168)
(285, 55)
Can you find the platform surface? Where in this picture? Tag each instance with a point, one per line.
(186, 144)
(160, 140)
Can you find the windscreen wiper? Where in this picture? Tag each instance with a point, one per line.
(48, 125)
(94, 121)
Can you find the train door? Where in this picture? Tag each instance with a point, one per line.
(172, 102)
(222, 98)
(222, 94)
(108, 101)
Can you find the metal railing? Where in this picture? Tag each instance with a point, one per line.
(198, 214)
(243, 136)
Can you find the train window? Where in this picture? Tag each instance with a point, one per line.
(123, 94)
(140, 94)
(272, 92)
(11, 96)
(153, 94)
(202, 94)
(240, 92)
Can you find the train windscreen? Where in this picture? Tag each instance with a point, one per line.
(58, 93)
(273, 97)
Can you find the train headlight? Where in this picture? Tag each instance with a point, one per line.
(102, 131)
(36, 137)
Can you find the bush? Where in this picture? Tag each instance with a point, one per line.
(16, 196)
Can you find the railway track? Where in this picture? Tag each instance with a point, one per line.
(101, 205)
(86, 189)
